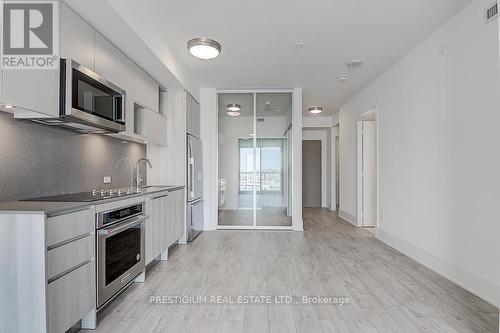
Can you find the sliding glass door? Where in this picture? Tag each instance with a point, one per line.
(254, 164)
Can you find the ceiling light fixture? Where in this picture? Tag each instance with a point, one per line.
(204, 48)
(298, 45)
(8, 106)
(343, 78)
(354, 64)
(233, 113)
(315, 109)
(234, 107)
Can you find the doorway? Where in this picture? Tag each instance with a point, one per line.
(367, 171)
(311, 173)
(253, 160)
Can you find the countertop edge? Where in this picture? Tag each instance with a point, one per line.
(60, 208)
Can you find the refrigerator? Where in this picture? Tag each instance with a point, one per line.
(194, 187)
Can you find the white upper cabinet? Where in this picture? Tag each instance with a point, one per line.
(36, 93)
(146, 90)
(113, 65)
(193, 116)
(77, 38)
(151, 125)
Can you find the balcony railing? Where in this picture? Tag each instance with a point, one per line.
(264, 181)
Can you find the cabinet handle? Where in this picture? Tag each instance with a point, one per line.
(69, 270)
(161, 196)
(71, 240)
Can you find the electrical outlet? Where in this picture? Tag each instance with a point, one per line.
(107, 180)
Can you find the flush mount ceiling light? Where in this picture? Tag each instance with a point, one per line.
(233, 113)
(354, 63)
(204, 48)
(343, 78)
(315, 109)
(8, 106)
(234, 107)
(298, 45)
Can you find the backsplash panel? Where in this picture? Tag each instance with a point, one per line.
(37, 160)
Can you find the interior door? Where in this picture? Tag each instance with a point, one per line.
(369, 174)
(311, 173)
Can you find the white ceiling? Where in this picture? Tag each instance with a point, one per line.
(257, 40)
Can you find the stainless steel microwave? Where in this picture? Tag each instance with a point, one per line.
(89, 101)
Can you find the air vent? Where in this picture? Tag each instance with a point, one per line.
(260, 120)
(491, 13)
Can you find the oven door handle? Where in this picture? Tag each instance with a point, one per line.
(122, 226)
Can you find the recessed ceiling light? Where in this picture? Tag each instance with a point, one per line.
(233, 113)
(298, 45)
(315, 109)
(8, 106)
(234, 107)
(354, 63)
(343, 78)
(251, 134)
(204, 48)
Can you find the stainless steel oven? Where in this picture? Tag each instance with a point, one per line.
(90, 99)
(120, 249)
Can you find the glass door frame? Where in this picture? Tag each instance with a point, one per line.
(254, 226)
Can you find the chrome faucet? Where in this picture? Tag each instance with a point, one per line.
(129, 166)
(138, 178)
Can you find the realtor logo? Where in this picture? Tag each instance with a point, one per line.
(29, 37)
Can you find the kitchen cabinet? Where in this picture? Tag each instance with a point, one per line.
(77, 38)
(156, 225)
(70, 271)
(70, 297)
(150, 125)
(117, 68)
(166, 223)
(36, 93)
(177, 226)
(193, 116)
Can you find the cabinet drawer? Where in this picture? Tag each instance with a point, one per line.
(64, 227)
(71, 297)
(69, 255)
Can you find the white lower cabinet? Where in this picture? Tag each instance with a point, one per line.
(70, 256)
(165, 225)
(156, 208)
(177, 217)
(71, 297)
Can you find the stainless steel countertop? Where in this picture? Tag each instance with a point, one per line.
(54, 208)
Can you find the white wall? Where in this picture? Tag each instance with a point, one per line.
(439, 116)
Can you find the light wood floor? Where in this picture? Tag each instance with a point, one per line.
(389, 292)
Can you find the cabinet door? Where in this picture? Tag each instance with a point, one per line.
(146, 90)
(193, 116)
(70, 297)
(152, 125)
(180, 213)
(170, 220)
(77, 38)
(149, 237)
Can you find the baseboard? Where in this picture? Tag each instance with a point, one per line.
(348, 217)
(479, 286)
